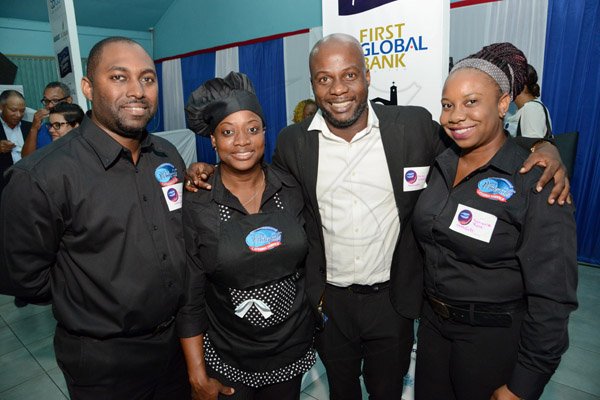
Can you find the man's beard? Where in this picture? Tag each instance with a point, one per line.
(336, 123)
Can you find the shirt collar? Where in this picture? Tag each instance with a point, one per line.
(508, 159)
(318, 124)
(107, 149)
(5, 125)
(274, 182)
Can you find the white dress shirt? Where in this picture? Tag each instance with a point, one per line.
(16, 136)
(357, 206)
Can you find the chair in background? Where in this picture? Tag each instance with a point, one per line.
(566, 143)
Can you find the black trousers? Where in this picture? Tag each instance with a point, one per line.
(288, 390)
(149, 367)
(364, 335)
(456, 361)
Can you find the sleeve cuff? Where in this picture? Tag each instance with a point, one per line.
(188, 327)
(527, 384)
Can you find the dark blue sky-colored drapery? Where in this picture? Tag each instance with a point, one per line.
(571, 89)
(263, 63)
(195, 70)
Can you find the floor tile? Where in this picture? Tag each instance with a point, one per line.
(8, 341)
(11, 313)
(35, 327)
(40, 387)
(304, 396)
(557, 391)
(6, 299)
(17, 367)
(584, 333)
(59, 380)
(43, 352)
(319, 389)
(580, 370)
(313, 374)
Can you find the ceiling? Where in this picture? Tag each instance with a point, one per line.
(135, 15)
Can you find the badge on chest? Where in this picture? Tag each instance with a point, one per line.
(263, 239)
(473, 223)
(166, 175)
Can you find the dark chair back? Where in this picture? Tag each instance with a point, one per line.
(567, 147)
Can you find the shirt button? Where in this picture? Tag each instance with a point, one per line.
(357, 258)
(145, 198)
(155, 227)
(170, 284)
(164, 257)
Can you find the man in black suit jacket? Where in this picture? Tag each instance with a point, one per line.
(368, 322)
(12, 105)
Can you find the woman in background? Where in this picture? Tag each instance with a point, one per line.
(304, 109)
(532, 118)
(62, 118)
(500, 262)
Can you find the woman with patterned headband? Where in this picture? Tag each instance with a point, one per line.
(500, 262)
(247, 328)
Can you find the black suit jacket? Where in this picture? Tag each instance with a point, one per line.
(410, 139)
(6, 160)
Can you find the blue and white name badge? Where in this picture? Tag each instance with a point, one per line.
(415, 178)
(173, 195)
(473, 223)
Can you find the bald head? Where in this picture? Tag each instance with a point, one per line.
(344, 42)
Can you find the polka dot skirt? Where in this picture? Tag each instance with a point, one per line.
(257, 379)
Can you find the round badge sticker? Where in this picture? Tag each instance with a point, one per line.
(172, 194)
(465, 217)
(166, 174)
(410, 176)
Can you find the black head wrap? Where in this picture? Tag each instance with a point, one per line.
(219, 97)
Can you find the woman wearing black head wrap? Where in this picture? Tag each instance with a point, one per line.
(247, 324)
(500, 262)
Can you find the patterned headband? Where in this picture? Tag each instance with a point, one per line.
(485, 66)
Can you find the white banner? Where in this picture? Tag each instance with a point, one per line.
(63, 26)
(405, 44)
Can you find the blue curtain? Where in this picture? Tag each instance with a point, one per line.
(195, 70)
(157, 124)
(571, 88)
(263, 63)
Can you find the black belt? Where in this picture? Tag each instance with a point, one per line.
(363, 289)
(477, 314)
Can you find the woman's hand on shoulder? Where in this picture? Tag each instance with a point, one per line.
(546, 156)
(209, 389)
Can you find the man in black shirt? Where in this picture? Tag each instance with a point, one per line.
(94, 222)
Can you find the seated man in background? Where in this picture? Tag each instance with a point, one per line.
(39, 135)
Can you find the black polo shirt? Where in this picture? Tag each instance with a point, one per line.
(494, 239)
(82, 223)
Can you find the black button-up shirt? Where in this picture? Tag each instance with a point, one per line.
(531, 253)
(81, 223)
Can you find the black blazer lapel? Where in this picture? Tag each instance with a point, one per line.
(392, 137)
(309, 163)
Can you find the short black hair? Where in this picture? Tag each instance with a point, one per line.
(5, 95)
(65, 89)
(70, 111)
(96, 52)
